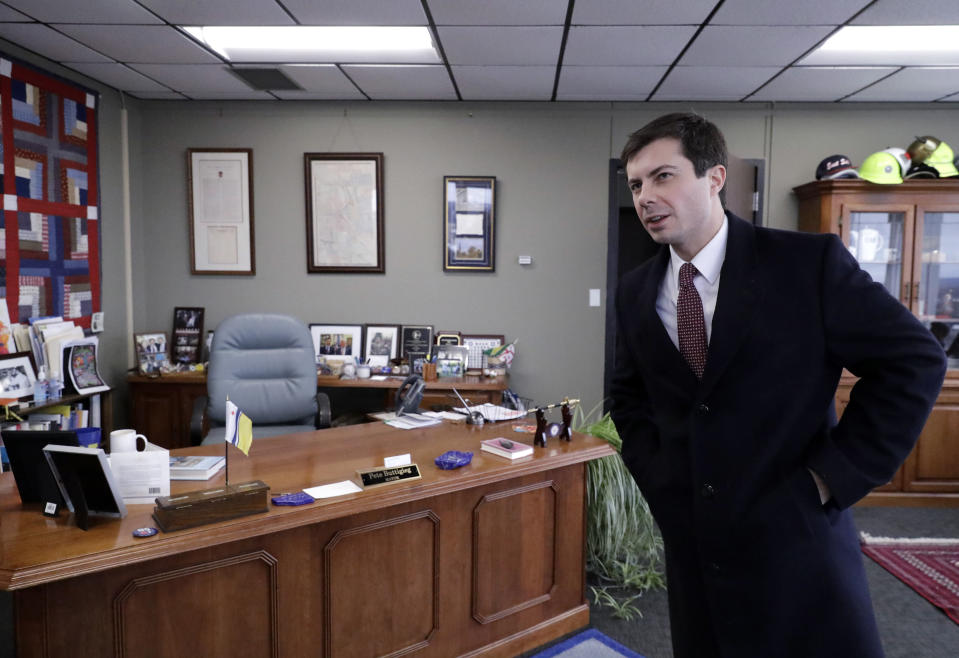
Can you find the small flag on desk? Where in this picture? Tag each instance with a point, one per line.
(239, 428)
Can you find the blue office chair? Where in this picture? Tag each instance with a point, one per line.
(266, 365)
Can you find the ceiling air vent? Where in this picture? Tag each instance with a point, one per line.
(265, 79)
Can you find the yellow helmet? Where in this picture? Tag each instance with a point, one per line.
(881, 167)
(942, 160)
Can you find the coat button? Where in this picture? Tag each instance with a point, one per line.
(708, 491)
(703, 409)
(714, 567)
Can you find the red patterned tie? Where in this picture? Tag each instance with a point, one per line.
(690, 324)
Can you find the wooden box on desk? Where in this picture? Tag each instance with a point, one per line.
(195, 508)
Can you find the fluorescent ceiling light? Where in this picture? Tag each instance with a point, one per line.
(896, 45)
(313, 44)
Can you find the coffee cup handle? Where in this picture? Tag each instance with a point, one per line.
(137, 441)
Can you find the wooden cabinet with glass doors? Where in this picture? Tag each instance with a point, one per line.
(907, 237)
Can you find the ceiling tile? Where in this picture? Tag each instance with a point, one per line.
(321, 82)
(499, 12)
(485, 46)
(88, 11)
(49, 43)
(153, 44)
(751, 46)
(914, 84)
(8, 15)
(194, 78)
(819, 83)
(648, 12)
(608, 83)
(717, 83)
(118, 76)
(914, 12)
(403, 82)
(357, 12)
(625, 45)
(787, 12)
(528, 83)
(220, 12)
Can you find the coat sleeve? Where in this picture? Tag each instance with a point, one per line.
(631, 409)
(900, 367)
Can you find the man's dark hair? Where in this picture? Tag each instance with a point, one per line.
(701, 141)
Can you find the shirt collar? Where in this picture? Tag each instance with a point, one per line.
(709, 260)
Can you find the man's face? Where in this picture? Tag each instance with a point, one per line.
(675, 206)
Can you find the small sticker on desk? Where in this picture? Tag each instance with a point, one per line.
(144, 532)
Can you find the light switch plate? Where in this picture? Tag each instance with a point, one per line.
(594, 296)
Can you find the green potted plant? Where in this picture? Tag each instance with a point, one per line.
(623, 547)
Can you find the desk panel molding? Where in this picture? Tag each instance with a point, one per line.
(395, 562)
(235, 579)
(506, 524)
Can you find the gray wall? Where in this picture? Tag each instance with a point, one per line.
(550, 161)
(551, 166)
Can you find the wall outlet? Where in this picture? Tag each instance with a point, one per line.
(96, 322)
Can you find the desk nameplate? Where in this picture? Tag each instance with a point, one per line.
(376, 477)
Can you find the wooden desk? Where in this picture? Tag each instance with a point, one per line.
(162, 406)
(485, 560)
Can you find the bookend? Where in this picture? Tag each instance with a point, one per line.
(546, 431)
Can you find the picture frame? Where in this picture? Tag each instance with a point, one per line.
(381, 344)
(152, 352)
(477, 345)
(220, 200)
(337, 342)
(187, 348)
(469, 214)
(344, 213)
(416, 342)
(18, 374)
(448, 338)
(451, 360)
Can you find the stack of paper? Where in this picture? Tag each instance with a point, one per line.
(412, 421)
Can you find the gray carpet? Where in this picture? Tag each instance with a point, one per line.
(910, 626)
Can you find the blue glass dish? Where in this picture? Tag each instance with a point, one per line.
(453, 459)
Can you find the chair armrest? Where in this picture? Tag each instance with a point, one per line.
(324, 415)
(198, 422)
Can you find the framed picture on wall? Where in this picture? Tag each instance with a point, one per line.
(187, 335)
(382, 344)
(337, 342)
(220, 196)
(344, 212)
(468, 223)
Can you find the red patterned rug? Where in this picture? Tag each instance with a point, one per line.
(929, 566)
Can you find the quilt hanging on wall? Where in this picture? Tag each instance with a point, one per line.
(49, 242)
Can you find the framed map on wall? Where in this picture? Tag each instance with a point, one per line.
(50, 253)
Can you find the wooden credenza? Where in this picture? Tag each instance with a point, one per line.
(162, 406)
(907, 238)
(484, 560)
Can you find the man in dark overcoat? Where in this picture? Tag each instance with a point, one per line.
(723, 393)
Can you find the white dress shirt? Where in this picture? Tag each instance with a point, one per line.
(709, 262)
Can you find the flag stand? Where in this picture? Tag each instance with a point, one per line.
(219, 503)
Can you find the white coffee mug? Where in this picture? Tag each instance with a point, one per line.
(363, 371)
(126, 441)
(870, 244)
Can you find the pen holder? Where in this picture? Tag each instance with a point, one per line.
(429, 372)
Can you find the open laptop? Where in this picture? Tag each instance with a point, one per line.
(35, 480)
